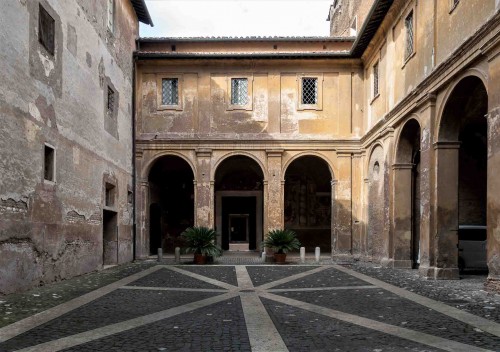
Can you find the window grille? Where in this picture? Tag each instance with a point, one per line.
(46, 28)
(375, 80)
(111, 100)
(309, 90)
(239, 91)
(170, 91)
(409, 35)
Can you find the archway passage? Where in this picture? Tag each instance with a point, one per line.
(171, 202)
(239, 204)
(308, 200)
(464, 122)
(407, 195)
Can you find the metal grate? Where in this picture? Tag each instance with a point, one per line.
(239, 91)
(309, 90)
(46, 28)
(409, 35)
(111, 100)
(375, 80)
(170, 91)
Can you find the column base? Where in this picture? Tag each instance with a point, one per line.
(402, 264)
(492, 284)
(343, 258)
(434, 273)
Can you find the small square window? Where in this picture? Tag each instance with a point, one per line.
(239, 91)
(130, 197)
(409, 35)
(375, 80)
(111, 100)
(109, 200)
(170, 91)
(49, 163)
(46, 29)
(309, 90)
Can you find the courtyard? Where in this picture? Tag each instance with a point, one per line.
(243, 305)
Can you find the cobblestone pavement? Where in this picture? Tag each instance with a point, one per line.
(150, 307)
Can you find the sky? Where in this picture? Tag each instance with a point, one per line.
(194, 18)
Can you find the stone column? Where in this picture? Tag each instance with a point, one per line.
(342, 229)
(203, 196)
(445, 216)
(402, 215)
(493, 199)
(142, 218)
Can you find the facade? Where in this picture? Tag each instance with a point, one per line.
(66, 137)
(381, 147)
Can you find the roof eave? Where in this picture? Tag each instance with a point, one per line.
(142, 12)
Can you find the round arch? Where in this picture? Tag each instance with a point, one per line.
(402, 133)
(305, 154)
(450, 90)
(226, 156)
(146, 169)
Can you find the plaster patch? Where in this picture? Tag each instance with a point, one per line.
(48, 65)
(34, 112)
(31, 130)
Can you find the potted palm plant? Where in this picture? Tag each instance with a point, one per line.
(281, 242)
(200, 240)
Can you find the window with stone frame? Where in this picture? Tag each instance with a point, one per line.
(375, 80)
(111, 15)
(111, 101)
(239, 91)
(309, 91)
(46, 30)
(49, 163)
(110, 194)
(170, 91)
(410, 31)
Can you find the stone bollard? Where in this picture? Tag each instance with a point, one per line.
(317, 253)
(302, 255)
(177, 255)
(160, 254)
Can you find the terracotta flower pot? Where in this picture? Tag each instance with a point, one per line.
(279, 258)
(200, 259)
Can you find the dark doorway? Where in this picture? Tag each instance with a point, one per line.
(308, 200)
(109, 237)
(171, 203)
(238, 199)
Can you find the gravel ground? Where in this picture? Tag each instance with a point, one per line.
(467, 294)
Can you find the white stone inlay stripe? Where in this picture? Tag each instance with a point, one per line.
(468, 318)
(87, 336)
(187, 289)
(307, 289)
(263, 335)
(292, 278)
(201, 277)
(419, 337)
(33, 321)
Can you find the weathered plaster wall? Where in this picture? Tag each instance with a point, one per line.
(342, 16)
(53, 230)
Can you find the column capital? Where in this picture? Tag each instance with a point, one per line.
(203, 152)
(276, 153)
(402, 166)
(143, 183)
(333, 183)
(447, 145)
(428, 100)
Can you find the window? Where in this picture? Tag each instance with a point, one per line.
(309, 91)
(109, 200)
(409, 35)
(239, 91)
(111, 101)
(130, 197)
(375, 80)
(49, 163)
(170, 91)
(111, 15)
(46, 28)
